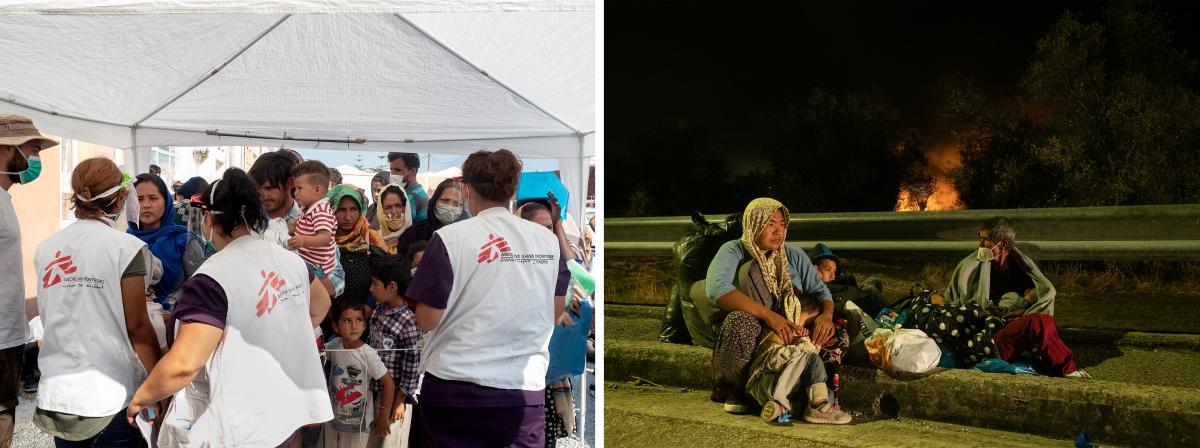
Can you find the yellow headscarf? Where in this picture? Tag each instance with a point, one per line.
(387, 229)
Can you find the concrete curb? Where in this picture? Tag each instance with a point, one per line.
(1054, 407)
(1080, 336)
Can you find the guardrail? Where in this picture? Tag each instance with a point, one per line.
(1149, 232)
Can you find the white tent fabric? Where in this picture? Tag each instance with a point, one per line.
(422, 76)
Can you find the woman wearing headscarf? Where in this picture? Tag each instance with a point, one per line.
(446, 207)
(243, 370)
(393, 214)
(753, 279)
(156, 227)
(98, 342)
(358, 245)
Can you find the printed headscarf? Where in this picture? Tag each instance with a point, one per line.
(361, 238)
(774, 264)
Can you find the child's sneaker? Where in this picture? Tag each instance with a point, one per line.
(775, 413)
(829, 414)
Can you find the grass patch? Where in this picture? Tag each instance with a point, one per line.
(636, 279)
(1141, 276)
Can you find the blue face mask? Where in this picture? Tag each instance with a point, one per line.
(30, 173)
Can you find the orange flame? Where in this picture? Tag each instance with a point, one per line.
(942, 159)
(944, 197)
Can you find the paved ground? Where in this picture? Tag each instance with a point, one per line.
(28, 436)
(589, 437)
(638, 416)
(25, 435)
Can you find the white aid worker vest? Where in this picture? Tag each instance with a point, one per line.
(264, 380)
(496, 328)
(88, 364)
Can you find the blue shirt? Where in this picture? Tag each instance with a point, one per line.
(417, 192)
(722, 272)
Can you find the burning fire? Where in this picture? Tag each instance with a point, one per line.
(942, 158)
(943, 197)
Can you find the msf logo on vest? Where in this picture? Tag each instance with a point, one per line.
(491, 250)
(268, 293)
(53, 274)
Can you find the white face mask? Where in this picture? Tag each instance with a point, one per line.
(447, 214)
(985, 254)
(396, 179)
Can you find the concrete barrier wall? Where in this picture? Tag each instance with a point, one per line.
(1153, 232)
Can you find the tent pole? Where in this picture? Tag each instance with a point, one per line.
(583, 389)
(583, 182)
(134, 150)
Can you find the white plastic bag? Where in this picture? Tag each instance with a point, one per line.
(903, 350)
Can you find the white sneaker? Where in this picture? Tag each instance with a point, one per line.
(1078, 374)
(829, 414)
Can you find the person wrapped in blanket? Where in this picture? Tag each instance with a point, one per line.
(998, 305)
(757, 280)
(780, 372)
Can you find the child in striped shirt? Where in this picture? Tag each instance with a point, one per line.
(313, 240)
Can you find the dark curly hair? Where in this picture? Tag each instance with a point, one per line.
(273, 169)
(236, 199)
(493, 175)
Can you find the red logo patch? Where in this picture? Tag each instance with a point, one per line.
(64, 266)
(268, 293)
(491, 250)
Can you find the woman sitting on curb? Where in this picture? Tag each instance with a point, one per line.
(754, 279)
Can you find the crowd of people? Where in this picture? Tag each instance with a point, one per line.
(785, 321)
(280, 307)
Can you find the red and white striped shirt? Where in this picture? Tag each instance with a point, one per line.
(318, 217)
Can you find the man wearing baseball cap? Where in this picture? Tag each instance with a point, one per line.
(20, 143)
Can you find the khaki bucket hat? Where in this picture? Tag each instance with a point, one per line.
(16, 130)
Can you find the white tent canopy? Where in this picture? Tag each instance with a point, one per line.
(427, 76)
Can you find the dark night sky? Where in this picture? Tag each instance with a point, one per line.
(727, 64)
